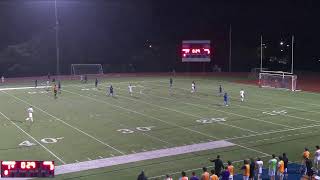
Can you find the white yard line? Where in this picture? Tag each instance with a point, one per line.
(244, 106)
(143, 114)
(44, 147)
(131, 158)
(73, 127)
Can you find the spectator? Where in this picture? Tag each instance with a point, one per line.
(184, 176)
(246, 170)
(213, 175)
(272, 167)
(205, 174)
(285, 161)
(280, 168)
(259, 166)
(142, 176)
(168, 177)
(194, 177)
(231, 170)
(225, 174)
(308, 163)
(252, 166)
(218, 165)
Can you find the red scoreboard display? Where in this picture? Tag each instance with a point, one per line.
(196, 51)
(18, 169)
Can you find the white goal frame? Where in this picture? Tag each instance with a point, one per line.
(74, 73)
(280, 75)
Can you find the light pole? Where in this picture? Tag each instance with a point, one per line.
(57, 39)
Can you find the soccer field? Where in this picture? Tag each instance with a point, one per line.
(83, 124)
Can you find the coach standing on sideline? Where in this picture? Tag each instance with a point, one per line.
(218, 165)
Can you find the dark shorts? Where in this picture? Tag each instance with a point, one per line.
(251, 174)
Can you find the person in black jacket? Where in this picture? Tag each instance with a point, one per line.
(142, 176)
(218, 165)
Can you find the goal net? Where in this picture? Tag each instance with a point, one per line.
(86, 69)
(278, 79)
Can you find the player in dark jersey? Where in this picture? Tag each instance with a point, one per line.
(286, 161)
(110, 91)
(36, 83)
(96, 83)
(220, 90)
(59, 87)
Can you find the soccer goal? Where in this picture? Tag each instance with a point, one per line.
(86, 69)
(278, 79)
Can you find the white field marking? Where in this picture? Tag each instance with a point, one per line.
(272, 132)
(133, 151)
(152, 117)
(73, 127)
(112, 155)
(243, 106)
(100, 157)
(130, 158)
(188, 114)
(89, 159)
(263, 102)
(276, 138)
(22, 88)
(44, 147)
(235, 114)
(76, 160)
(189, 170)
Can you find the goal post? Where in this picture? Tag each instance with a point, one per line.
(86, 69)
(278, 79)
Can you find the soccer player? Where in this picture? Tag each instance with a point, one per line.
(30, 114)
(96, 83)
(213, 175)
(171, 82)
(110, 91)
(130, 87)
(194, 177)
(242, 95)
(193, 87)
(205, 174)
(36, 83)
(220, 90)
(272, 167)
(285, 161)
(2, 79)
(59, 87)
(218, 165)
(184, 176)
(317, 158)
(231, 170)
(246, 170)
(259, 166)
(55, 91)
(85, 78)
(48, 85)
(280, 168)
(225, 99)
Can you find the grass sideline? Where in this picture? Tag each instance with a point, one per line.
(84, 124)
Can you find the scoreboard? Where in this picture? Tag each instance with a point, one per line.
(18, 169)
(196, 51)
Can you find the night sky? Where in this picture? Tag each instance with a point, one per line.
(117, 33)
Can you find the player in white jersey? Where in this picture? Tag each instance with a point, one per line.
(317, 157)
(30, 112)
(2, 79)
(259, 166)
(193, 87)
(242, 95)
(130, 88)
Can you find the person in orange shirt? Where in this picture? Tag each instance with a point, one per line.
(213, 175)
(281, 168)
(246, 170)
(305, 155)
(231, 170)
(205, 174)
(184, 176)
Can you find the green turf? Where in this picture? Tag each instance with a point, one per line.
(88, 122)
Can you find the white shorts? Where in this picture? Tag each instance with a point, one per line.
(272, 172)
(231, 177)
(245, 177)
(30, 115)
(280, 174)
(285, 170)
(241, 96)
(317, 160)
(193, 88)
